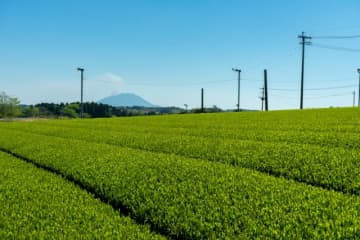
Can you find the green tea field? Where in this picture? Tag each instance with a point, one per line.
(249, 175)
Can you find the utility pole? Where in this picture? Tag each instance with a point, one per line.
(238, 100)
(202, 100)
(304, 41)
(262, 98)
(81, 98)
(266, 91)
(359, 88)
(353, 98)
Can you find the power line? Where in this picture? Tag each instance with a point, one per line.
(190, 84)
(337, 37)
(252, 79)
(177, 84)
(283, 89)
(335, 48)
(281, 96)
(313, 89)
(332, 95)
(311, 97)
(329, 88)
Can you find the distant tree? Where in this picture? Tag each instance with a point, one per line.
(97, 109)
(71, 110)
(31, 111)
(207, 110)
(196, 110)
(93, 109)
(215, 109)
(9, 106)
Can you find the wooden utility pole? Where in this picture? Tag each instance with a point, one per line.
(304, 41)
(262, 98)
(266, 91)
(81, 95)
(202, 100)
(359, 88)
(353, 98)
(238, 97)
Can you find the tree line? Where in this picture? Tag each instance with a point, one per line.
(97, 110)
(10, 107)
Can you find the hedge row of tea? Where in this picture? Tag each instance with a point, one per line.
(208, 176)
(36, 204)
(320, 155)
(331, 128)
(193, 198)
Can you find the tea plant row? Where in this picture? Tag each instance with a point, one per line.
(329, 167)
(36, 204)
(187, 198)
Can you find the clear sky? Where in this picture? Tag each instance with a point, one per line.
(166, 51)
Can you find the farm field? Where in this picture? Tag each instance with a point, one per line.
(37, 204)
(274, 175)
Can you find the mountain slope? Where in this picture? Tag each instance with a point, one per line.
(126, 100)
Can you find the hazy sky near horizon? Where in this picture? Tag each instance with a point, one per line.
(166, 51)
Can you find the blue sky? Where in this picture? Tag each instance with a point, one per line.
(166, 51)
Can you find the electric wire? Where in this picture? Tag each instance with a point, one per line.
(337, 37)
(314, 89)
(330, 47)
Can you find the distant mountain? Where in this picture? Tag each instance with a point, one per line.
(126, 100)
